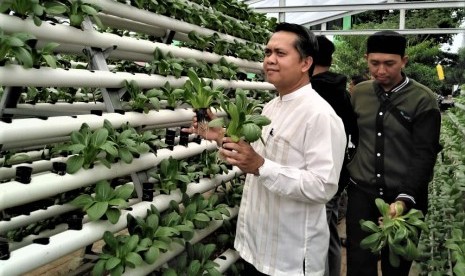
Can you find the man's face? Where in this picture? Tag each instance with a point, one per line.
(386, 68)
(282, 65)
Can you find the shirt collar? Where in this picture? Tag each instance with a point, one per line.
(297, 93)
(405, 80)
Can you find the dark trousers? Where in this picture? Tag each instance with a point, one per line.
(250, 270)
(333, 261)
(361, 262)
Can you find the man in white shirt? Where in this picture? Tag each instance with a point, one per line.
(282, 228)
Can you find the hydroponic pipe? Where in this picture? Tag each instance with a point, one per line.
(32, 129)
(226, 259)
(35, 255)
(14, 193)
(37, 167)
(38, 215)
(66, 34)
(150, 18)
(63, 107)
(176, 249)
(16, 75)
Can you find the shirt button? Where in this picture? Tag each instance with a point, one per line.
(378, 154)
(379, 133)
(378, 175)
(381, 193)
(381, 114)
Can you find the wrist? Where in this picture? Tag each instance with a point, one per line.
(261, 164)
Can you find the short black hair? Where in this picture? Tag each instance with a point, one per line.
(306, 44)
(325, 51)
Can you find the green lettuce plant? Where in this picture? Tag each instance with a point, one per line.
(399, 233)
(106, 201)
(88, 147)
(118, 253)
(240, 124)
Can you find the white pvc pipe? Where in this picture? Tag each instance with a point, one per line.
(30, 257)
(37, 167)
(176, 248)
(226, 259)
(35, 216)
(31, 129)
(70, 35)
(63, 107)
(44, 234)
(150, 18)
(117, 22)
(16, 75)
(45, 185)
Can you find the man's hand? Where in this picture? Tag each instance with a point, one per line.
(209, 133)
(242, 155)
(397, 209)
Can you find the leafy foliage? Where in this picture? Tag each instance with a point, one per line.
(118, 253)
(106, 201)
(239, 123)
(198, 93)
(400, 233)
(169, 176)
(88, 147)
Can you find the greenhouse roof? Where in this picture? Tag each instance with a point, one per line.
(314, 12)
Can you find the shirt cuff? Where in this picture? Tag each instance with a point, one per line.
(408, 200)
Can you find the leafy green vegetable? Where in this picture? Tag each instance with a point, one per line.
(400, 233)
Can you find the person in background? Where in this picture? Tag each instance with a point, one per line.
(354, 80)
(332, 87)
(399, 124)
(281, 227)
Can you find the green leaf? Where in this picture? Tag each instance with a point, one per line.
(369, 226)
(77, 138)
(251, 132)
(82, 201)
(117, 271)
(103, 191)
(382, 206)
(97, 210)
(202, 217)
(132, 243)
(13, 41)
(124, 191)
(371, 240)
(74, 163)
(88, 9)
(99, 268)
(151, 255)
(23, 56)
(119, 202)
(55, 8)
(459, 268)
(99, 137)
(134, 259)
(110, 240)
(259, 120)
(51, 61)
(394, 260)
(113, 215)
(125, 155)
(112, 263)
(153, 221)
